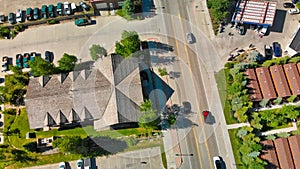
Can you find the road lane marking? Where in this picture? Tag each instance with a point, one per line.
(198, 106)
(197, 147)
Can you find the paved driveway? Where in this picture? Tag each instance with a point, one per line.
(149, 158)
(283, 29)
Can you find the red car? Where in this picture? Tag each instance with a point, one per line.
(205, 114)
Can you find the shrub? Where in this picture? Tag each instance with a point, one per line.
(295, 59)
(230, 65)
(291, 98)
(270, 137)
(162, 71)
(298, 5)
(52, 21)
(10, 111)
(283, 135)
(278, 100)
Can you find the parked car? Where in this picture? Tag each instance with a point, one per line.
(60, 8)
(288, 5)
(79, 164)
(4, 64)
(87, 163)
(268, 52)
(33, 55)
(29, 14)
(51, 11)
(217, 162)
(62, 165)
(73, 7)
(252, 27)
(11, 18)
(276, 49)
(67, 8)
(242, 30)
(82, 22)
(189, 38)
(48, 56)
(44, 11)
(293, 11)
(26, 59)
(36, 13)
(19, 16)
(263, 31)
(2, 19)
(84, 6)
(19, 58)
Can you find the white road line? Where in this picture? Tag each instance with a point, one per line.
(197, 52)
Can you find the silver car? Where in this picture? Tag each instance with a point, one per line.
(189, 38)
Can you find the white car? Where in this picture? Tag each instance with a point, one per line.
(19, 16)
(263, 31)
(79, 164)
(67, 8)
(293, 11)
(217, 162)
(62, 165)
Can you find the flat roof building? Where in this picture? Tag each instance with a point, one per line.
(284, 154)
(252, 85)
(280, 81)
(295, 149)
(254, 12)
(293, 77)
(269, 154)
(265, 83)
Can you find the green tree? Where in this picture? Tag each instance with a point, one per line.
(298, 5)
(241, 133)
(149, 118)
(68, 143)
(252, 56)
(264, 102)
(97, 51)
(129, 44)
(40, 67)
(162, 71)
(295, 59)
(289, 112)
(270, 137)
(67, 63)
(128, 8)
(256, 121)
(278, 100)
(291, 98)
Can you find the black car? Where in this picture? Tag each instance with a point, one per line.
(29, 14)
(288, 5)
(11, 18)
(268, 52)
(48, 56)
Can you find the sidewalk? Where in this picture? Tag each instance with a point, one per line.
(238, 125)
(284, 130)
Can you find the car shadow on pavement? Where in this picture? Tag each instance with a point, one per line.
(278, 21)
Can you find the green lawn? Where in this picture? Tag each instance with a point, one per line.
(235, 142)
(18, 140)
(222, 87)
(89, 131)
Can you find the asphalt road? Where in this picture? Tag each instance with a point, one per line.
(199, 139)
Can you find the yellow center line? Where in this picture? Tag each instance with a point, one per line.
(177, 48)
(198, 106)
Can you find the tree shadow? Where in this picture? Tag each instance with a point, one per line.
(21, 156)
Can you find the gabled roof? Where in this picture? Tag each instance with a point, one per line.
(280, 81)
(269, 154)
(252, 85)
(293, 77)
(87, 95)
(294, 142)
(265, 83)
(284, 155)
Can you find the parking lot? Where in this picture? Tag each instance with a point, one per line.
(7, 6)
(149, 158)
(283, 28)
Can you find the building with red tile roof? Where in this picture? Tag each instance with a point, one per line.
(265, 83)
(269, 154)
(293, 77)
(252, 85)
(294, 142)
(284, 154)
(280, 81)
